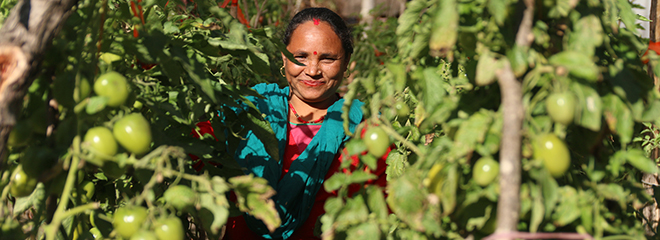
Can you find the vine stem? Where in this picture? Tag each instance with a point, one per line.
(60, 212)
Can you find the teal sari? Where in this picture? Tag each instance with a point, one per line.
(296, 190)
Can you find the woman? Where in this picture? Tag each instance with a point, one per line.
(306, 119)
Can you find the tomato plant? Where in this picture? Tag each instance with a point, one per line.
(21, 185)
(169, 228)
(561, 107)
(129, 220)
(133, 132)
(485, 170)
(114, 87)
(554, 154)
(102, 142)
(377, 141)
(180, 197)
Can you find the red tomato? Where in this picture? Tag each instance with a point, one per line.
(655, 46)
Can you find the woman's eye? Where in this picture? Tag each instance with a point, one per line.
(328, 60)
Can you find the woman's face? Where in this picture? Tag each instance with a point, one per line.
(316, 45)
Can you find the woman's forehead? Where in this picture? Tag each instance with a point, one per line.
(309, 34)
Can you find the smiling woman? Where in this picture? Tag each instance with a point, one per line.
(306, 118)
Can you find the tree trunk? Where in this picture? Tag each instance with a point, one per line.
(25, 36)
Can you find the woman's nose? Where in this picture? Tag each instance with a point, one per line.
(313, 69)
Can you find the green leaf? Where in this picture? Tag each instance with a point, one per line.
(227, 44)
(376, 202)
(209, 208)
(637, 158)
(471, 132)
(578, 64)
(354, 212)
(588, 35)
(335, 181)
(365, 231)
(444, 30)
(449, 189)
(626, 14)
(590, 106)
(34, 200)
(396, 164)
(96, 104)
(618, 117)
(486, 68)
(568, 210)
(499, 10)
(405, 199)
(261, 128)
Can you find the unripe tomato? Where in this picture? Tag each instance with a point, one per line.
(82, 90)
(21, 184)
(128, 220)
(180, 197)
(101, 140)
(144, 235)
(554, 154)
(485, 170)
(20, 135)
(113, 86)
(561, 107)
(435, 179)
(133, 132)
(377, 141)
(402, 109)
(87, 189)
(169, 228)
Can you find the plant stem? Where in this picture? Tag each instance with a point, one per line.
(60, 214)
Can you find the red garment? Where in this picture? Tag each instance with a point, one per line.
(299, 137)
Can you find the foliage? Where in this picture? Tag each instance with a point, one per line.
(428, 78)
(184, 63)
(446, 55)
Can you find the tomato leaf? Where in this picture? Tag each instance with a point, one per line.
(34, 200)
(444, 30)
(96, 104)
(578, 64)
(618, 117)
(590, 113)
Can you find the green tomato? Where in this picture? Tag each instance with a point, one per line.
(554, 154)
(435, 179)
(100, 139)
(485, 170)
(87, 189)
(402, 110)
(144, 235)
(20, 135)
(561, 107)
(377, 141)
(128, 220)
(22, 185)
(169, 228)
(180, 197)
(113, 86)
(83, 89)
(133, 132)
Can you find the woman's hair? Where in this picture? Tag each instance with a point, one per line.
(326, 15)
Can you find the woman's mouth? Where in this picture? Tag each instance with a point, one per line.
(312, 83)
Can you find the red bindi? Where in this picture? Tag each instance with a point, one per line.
(316, 21)
(315, 52)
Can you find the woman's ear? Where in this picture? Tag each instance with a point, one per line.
(284, 60)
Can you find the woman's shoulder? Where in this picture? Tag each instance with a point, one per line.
(270, 88)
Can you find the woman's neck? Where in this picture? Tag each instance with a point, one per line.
(309, 112)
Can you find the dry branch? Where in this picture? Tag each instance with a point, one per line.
(25, 36)
(510, 152)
